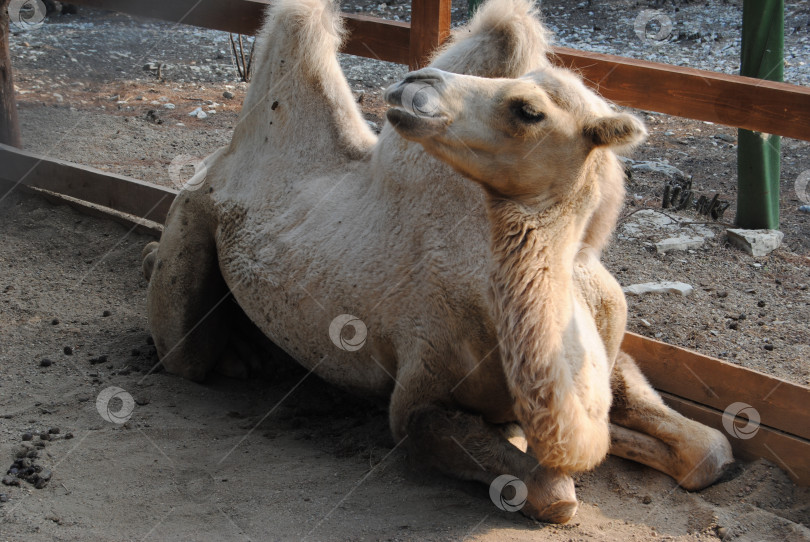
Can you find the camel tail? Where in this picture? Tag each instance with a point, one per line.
(505, 38)
(298, 94)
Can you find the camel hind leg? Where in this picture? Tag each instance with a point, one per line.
(186, 298)
(645, 430)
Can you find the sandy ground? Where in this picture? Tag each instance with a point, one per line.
(287, 459)
(293, 458)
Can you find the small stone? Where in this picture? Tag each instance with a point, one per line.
(11, 481)
(645, 323)
(45, 436)
(105, 314)
(755, 242)
(199, 113)
(760, 303)
(142, 400)
(722, 294)
(804, 208)
(678, 243)
(228, 95)
(68, 351)
(647, 499)
(100, 359)
(733, 325)
(54, 430)
(3, 497)
(742, 317)
(768, 347)
(27, 436)
(55, 322)
(722, 532)
(169, 106)
(21, 451)
(45, 363)
(664, 287)
(68, 436)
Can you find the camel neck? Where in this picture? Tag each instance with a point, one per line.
(532, 274)
(539, 323)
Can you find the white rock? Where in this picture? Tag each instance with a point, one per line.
(678, 243)
(665, 287)
(756, 242)
(655, 167)
(169, 106)
(199, 113)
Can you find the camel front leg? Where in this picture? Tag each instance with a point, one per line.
(467, 447)
(645, 430)
(464, 445)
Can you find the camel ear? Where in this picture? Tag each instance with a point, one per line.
(620, 130)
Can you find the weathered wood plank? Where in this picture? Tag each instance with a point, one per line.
(788, 452)
(753, 104)
(715, 383)
(370, 37)
(430, 26)
(135, 224)
(9, 124)
(124, 194)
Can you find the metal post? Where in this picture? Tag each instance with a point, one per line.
(758, 166)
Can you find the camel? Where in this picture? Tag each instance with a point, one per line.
(314, 228)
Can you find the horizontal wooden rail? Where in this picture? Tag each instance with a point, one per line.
(123, 194)
(744, 102)
(368, 36)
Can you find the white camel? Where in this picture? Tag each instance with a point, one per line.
(307, 216)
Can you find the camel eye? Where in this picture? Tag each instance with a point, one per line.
(527, 113)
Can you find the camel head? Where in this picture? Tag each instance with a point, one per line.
(527, 139)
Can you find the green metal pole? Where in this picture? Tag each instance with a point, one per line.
(758, 167)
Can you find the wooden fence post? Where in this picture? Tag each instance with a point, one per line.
(430, 26)
(9, 125)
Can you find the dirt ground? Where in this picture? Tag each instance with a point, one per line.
(293, 458)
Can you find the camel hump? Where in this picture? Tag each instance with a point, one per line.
(505, 38)
(298, 97)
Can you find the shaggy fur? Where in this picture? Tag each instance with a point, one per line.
(307, 215)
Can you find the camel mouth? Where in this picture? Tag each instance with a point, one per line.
(415, 127)
(418, 96)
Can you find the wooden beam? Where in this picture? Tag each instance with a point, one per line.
(789, 452)
(377, 38)
(369, 36)
(124, 194)
(744, 102)
(9, 124)
(715, 383)
(146, 227)
(430, 26)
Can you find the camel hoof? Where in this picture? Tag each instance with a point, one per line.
(558, 512)
(710, 462)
